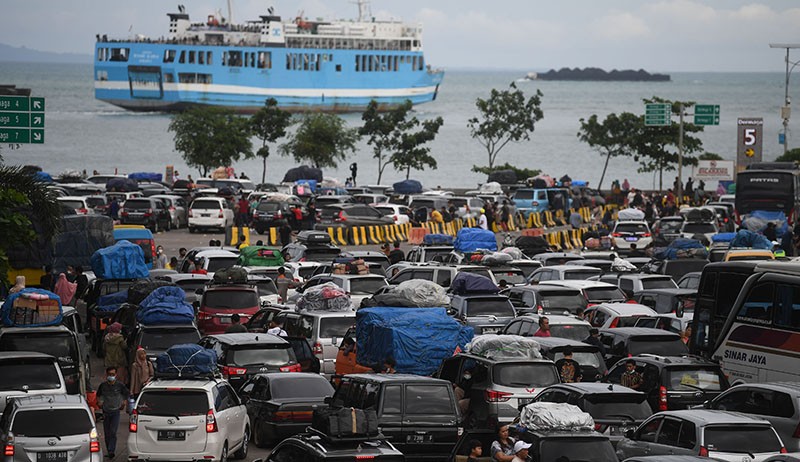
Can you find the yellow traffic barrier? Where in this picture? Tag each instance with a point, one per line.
(341, 236)
(373, 235)
(236, 239)
(564, 235)
(358, 235)
(273, 236)
(400, 233)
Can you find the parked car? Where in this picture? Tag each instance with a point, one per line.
(178, 209)
(691, 229)
(669, 322)
(311, 246)
(157, 339)
(79, 204)
(720, 435)
(212, 423)
(632, 284)
(665, 301)
(190, 283)
(350, 215)
(548, 299)
(564, 272)
(593, 291)
(427, 253)
(486, 313)
(625, 342)
(281, 404)
(564, 326)
(398, 213)
(49, 428)
(219, 302)
(98, 203)
(555, 258)
(323, 330)
(668, 228)
(358, 286)
(675, 268)
(440, 274)
(690, 280)
(210, 213)
(592, 362)
(139, 235)
(146, 211)
(611, 315)
(270, 214)
(214, 260)
(28, 373)
(313, 447)
(628, 235)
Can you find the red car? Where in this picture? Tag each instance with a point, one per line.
(220, 302)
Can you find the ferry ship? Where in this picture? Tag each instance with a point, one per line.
(332, 66)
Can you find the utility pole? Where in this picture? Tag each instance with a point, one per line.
(786, 110)
(680, 156)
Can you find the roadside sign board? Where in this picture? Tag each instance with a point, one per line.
(713, 170)
(21, 119)
(750, 137)
(706, 114)
(657, 114)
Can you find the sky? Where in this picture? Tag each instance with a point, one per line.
(655, 35)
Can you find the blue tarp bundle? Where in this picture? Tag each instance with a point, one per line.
(437, 239)
(111, 302)
(723, 237)
(407, 187)
(470, 283)
(43, 176)
(123, 260)
(681, 246)
(145, 176)
(745, 238)
(310, 183)
(471, 239)
(187, 360)
(418, 339)
(11, 316)
(122, 185)
(757, 221)
(165, 305)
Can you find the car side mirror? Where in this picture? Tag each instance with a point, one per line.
(679, 311)
(707, 404)
(199, 291)
(629, 434)
(328, 400)
(452, 311)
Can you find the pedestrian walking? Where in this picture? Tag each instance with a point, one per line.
(141, 371)
(65, 289)
(161, 258)
(115, 348)
(285, 233)
(505, 216)
(112, 397)
(113, 209)
(483, 223)
(284, 284)
(568, 368)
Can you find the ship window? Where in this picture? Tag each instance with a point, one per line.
(414, 63)
(370, 64)
(364, 59)
(264, 60)
(101, 54)
(169, 56)
(102, 75)
(169, 77)
(358, 63)
(252, 59)
(182, 57)
(338, 68)
(208, 57)
(201, 57)
(235, 58)
(119, 54)
(421, 63)
(191, 57)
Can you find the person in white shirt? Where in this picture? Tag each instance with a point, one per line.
(275, 328)
(520, 451)
(482, 223)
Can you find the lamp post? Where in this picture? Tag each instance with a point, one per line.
(786, 111)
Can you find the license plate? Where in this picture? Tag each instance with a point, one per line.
(524, 401)
(419, 439)
(632, 238)
(205, 215)
(57, 456)
(491, 330)
(171, 435)
(225, 320)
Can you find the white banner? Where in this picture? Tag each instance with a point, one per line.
(713, 170)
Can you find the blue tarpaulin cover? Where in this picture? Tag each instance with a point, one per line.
(43, 176)
(418, 339)
(470, 283)
(437, 239)
(165, 305)
(145, 176)
(123, 260)
(8, 313)
(723, 237)
(762, 217)
(111, 302)
(681, 244)
(745, 238)
(187, 360)
(472, 239)
(407, 187)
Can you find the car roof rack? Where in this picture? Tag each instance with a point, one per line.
(333, 439)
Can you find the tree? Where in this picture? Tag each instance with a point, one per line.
(709, 156)
(269, 124)
(793, 155)
(505, 117)
(322, 139)
(410, 151)
(211, 137)
(611, 137)
(522, 173)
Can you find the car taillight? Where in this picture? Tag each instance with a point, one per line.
(123, 213)
(616, 234)
(279, 215)
(494, 396)
(171, 208)
(293, 416)
(94, 445)
(9, 447)
(534, 204)
(394, 217)
(364, 457)
(148, 213)
(190, 213)
(228, 371)
(662, 398)
(614, 323)
(317, 348)
(133, 425)
(203, 316)
(784, 451)
(82, 211)
(220, 215)
(340, 216)
(211, 422)
(600, 427)
(292, 368)
(646, 235)
(703, 452)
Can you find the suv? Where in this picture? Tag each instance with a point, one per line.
(311, 246)
(668, 228)
(147, 211)
(495, 388)
(210, 212)
(666, 301)
(426, 253)
(241, 356)
(26, 373)
(563, 326)
(615, 410)
(593, 291)
(434, 272)
(157, 339)
(591, 361)
(486, 313)
(611, 315)
(726, 436)
(548, 299)
(314, 447)
(627, 234)
(674, 382)
(556, 258)
(270, 214)
(350, 215)
(632, 284)
(624, 342)
(530, 200)
(357, 286)
(564, 272)
(323, 330)
(49, 428)
(419, 414)
(57, 341)
(188, 420)
(675, 268)
(221, 301)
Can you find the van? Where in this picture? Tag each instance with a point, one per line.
(140, 236)
(323, 330)
(531, 200)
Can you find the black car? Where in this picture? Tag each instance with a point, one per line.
(315, 447)
(281, 404)
(419, 414)
(270, 214)
(146, 211)
(241, 356)
(311, 246)
(624, 342)
(486, 313)
(349, 215)
(674, 382)
(593, 365)
(550, 299)
(615, 409)
(665, 301)
(159, 338)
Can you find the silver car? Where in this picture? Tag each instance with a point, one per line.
(28, 373)
(51, 428)
(177, 207)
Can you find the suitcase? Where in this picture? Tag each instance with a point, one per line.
(346, 422)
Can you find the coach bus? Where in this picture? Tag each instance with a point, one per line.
(768, 190)
(760, 341)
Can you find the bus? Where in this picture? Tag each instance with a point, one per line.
(760, 341)
(768, 190)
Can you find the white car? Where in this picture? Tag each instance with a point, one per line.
(188, 420)
(627, 234)
(210, 212)
(610, 315)
(399, 213)
(215, 259)
(177, 207)
(77, 203)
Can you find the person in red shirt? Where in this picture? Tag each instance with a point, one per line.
(198, 267)
(544, 327)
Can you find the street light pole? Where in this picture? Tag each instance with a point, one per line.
(786, 112)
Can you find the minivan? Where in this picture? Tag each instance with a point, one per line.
(531, 200)
(139, 235)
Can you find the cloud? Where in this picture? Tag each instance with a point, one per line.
(619, 26)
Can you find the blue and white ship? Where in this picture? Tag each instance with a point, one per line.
(333, 66)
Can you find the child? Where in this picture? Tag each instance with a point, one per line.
(475, 451)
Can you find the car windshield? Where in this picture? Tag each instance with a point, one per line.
(578, 449)
(658, 283)
(618, 405)
(523, 194)
(604, 294)
(172, 402)
(330, 327)
(430, 254)
(95, 201)
(268, 206)
(631, 228)
(567, 300)
(48, 422)
(162, 339)
(489, 307)
(365, 286)
(206, 205)
(230, 299)
(699, 228)
(257, 355)
(628, 321)
(657, 345)
(191, 285)
(692, 379)
(301, 387)
(746, 439)
(511, 276)
(306, 272)
(528, 375)
(61, 345)
(671, 226)
(138, 204)
(579, 332)
(584, 358)
(321, 254)
(217, 263)
(266, 287)
(72, 204)
(579, 275)
(28, 374)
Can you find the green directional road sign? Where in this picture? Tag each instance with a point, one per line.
(15, 135)
(37, 136)
(706, 114)
(37, 120)
(15, 119)
(706, 119)
(657, 114)
(37, 104)
(14, 103)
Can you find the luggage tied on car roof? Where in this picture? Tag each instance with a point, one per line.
(495, 346)
(681, 248)
(555, 416)
(346, 422)
(123, 260)
(31, 307)
(469, 283)
(165, 305)
(186, 361)
(324, 297)
(471, 239)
